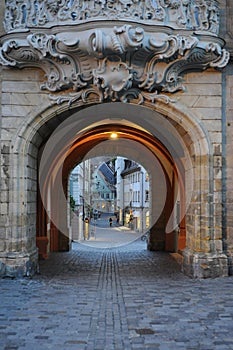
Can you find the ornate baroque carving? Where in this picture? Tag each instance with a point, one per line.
(201, 15)
(129, 61)
(122, 63)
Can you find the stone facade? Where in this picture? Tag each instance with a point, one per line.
(175, 82)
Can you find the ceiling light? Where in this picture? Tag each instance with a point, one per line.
(113, 135)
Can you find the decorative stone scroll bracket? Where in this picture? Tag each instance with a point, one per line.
(123, 63)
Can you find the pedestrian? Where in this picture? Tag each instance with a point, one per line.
(110, 222)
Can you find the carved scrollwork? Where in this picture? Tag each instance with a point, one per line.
(120, 40)
(141, 96)
(79, 96)
(180, 14)
(114, 64)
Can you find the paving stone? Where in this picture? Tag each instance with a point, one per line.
(123, 298)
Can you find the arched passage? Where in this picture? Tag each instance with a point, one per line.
(178, 142)
(164, 179)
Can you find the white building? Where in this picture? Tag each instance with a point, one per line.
(80, 191)
(103, 190)
(80, 187)
(133, 199)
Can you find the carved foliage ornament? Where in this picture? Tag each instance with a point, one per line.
(122, 63)
(201, 15)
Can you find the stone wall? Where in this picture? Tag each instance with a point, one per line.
(227, 29)
(21, 98)
(227, 124)
(2, 194)
(203, 99)
(228, 84)
(2, 10)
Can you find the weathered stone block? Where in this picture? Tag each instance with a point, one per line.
(209, 77)
(204, 89)
(215, 136)
(20, 86)
(200, 265)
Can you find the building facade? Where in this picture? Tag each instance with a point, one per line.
(92, 186)
(159, 75)
(103, 190)
(133, 197)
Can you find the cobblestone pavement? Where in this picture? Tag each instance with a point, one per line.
(115, 299)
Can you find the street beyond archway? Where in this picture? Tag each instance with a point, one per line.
(101, 234)
(124, 298)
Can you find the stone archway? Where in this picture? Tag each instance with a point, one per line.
(141, 61)
(203, 255)
(152, 154)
